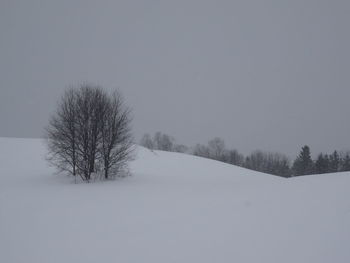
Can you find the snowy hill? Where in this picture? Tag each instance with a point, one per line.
(174, 208)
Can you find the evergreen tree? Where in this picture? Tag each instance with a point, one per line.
(334, 162)
(303, 164)
(321, 164)
(346, 163)
(326, 163)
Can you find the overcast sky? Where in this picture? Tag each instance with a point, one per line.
(270, 75)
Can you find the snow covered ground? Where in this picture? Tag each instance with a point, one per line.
(174, 208)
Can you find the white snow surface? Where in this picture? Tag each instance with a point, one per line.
(174, 208)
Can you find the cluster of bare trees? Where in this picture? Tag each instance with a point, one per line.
(266, 162)
(90, 133)
(272, 163)
(162, 142)
(215, 149)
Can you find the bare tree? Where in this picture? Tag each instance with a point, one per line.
(163, 142)
(234, 157)
(217, 149)
(201, 150)
(146, 141)
(180, 148)
(271, 163)
(256, 161)
(116, 144)
(90, 132)
(62, 135)
(89, 102)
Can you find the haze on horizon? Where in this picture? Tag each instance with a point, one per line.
(269, 75)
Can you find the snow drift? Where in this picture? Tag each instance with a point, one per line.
(174, 208)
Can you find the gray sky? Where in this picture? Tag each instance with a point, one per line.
(270, 75)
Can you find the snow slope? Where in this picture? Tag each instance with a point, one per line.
(174, 208)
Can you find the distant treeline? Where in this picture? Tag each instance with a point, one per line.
(266, 162)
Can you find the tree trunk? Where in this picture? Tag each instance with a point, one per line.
(106, 172)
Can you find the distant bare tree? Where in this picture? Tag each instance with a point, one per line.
(147, 142)
(234, 157)
(180, 148)
(271, 163)
(90, 132)
(277, 164)
(217, 149)
(163, 142)
(255, 161)
(201, 150)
